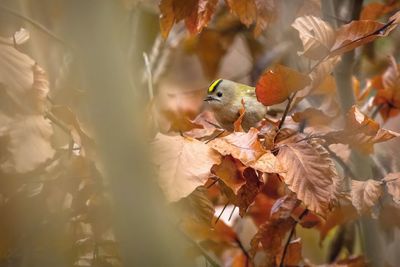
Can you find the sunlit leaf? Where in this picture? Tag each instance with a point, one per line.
(183, 164)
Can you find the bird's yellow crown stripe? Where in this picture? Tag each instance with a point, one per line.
(214, 85)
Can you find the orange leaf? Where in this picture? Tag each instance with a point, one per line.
(245, 10)
(237, 125)
(278, 83)
(167, 17)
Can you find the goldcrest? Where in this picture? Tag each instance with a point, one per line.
(225, 100)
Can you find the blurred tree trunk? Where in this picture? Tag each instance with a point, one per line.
(117, 108)
(336, 12)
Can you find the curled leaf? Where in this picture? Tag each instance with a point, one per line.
(365, 194)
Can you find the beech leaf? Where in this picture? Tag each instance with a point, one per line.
(316, 35)
(392, 181)
(241, 145)
(311, 174)
(183, 164)
(365, 194)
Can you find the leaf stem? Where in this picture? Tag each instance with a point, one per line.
(304, 213)
(289, 103)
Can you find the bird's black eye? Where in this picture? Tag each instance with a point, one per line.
(219, 94)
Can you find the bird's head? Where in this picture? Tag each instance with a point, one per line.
(221, 93)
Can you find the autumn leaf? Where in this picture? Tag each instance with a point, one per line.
(278, 83)
(183, 164)
(293, 254)
(272, 233)
(320, 41)
(360, 132)
(28, 143)
(311, 174)
(230, 172)
(375, 10)
(388, 91)
(237, 125)
(365, 194)
(264, 15)
(241, 145)
(196, 13)
(316, 35)
(392, 181)
(246, 194)
(245, 10)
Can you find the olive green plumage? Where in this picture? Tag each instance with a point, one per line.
(225, 100)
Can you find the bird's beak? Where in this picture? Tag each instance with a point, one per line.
(210, 98)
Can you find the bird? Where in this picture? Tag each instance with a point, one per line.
(224, 98)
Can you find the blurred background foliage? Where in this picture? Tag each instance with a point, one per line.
(60, 207)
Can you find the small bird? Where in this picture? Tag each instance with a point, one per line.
(225, 100)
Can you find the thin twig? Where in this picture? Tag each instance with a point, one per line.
(242, 248)
(216, 179)
(304, 213)
(230, 216)
(223, 209)
(35, 24)
(285, 113)
(216, 136)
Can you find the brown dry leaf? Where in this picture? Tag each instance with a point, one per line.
(365, 194)
(311, 174)
(248, 192)
(361, 132)
(264, 15)
(375, 10)
(361, 32)
(312, 117)
(316, 35)
(392, 181)
(229, 171)
(183, 164)
(278, 83)
(267, 163)
(167, 17)
(196, 13)
(245, 10)
(388, 91)
(27, 143)
(201, 15)
(293, 254)
(242, 146)
(237, 125)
